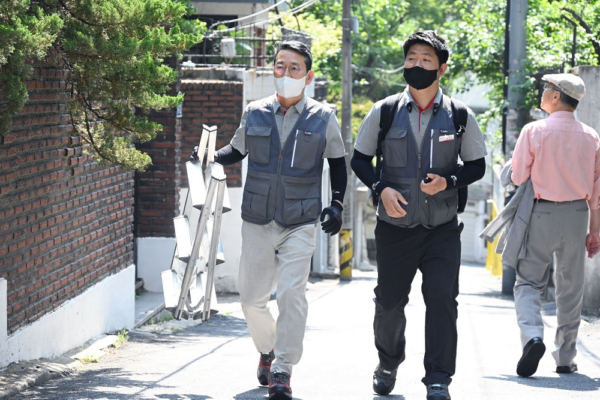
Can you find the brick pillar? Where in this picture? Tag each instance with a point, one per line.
(157, 189)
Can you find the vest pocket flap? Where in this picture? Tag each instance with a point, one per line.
(257, 186)
(396, 133)
(259, 131)
(300, 192)
(395, 148)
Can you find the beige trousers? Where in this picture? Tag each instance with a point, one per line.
(274, 255)
(554, 228)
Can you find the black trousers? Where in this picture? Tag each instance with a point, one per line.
(436, 253)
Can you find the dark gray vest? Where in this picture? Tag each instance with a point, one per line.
(403, 168)
(284, 184)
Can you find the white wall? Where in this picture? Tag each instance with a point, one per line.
(154, 255)
(105, 307)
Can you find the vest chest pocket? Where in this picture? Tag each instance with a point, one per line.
(444, 148)
(306, 145)
(395, 148)
(301, 204)
(259, 143)
(255, 198)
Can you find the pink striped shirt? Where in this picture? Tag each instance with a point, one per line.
(562, 156)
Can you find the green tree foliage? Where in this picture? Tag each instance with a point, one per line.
(476, 35)
(326, 44)
(377, 48)
(26, 31)
(114, 52)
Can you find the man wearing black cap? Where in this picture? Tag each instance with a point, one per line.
(417, 224)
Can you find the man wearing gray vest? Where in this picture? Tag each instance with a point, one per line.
(287, 136)
(562, 157)
(417, 224)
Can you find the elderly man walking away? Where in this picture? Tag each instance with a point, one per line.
(562, 157)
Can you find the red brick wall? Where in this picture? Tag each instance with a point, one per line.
(157, 189)
(65, 223)
(211, 102)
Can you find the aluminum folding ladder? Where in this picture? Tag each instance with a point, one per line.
(197, 233)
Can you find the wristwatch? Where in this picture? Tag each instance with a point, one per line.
(453, 179)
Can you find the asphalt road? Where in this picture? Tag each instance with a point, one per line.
(217, 359)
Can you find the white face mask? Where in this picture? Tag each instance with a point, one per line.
(288, 87)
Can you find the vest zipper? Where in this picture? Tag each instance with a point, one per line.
(282, 150)
(294, 151)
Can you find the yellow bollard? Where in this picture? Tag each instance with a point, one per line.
(346, 255)
(494, 260)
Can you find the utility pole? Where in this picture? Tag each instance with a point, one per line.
(346, 231)
(517, 53)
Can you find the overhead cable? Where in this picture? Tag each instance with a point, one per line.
(247, 16)
(266, 20)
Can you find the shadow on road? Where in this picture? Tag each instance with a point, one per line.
(390, 397)
(92, 384)
(258, 393)
(575, 382)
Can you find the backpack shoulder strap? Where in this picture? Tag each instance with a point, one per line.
(388, 110)
(460, 115)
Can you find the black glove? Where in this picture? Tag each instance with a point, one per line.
(194, 156)
(334, 223)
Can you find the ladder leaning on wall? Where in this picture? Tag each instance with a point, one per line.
(197, 231)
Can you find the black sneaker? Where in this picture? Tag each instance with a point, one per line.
(566, 369)
(438, 391)
(384, 380)
(532, 354)
(279, 386)
(264, 367)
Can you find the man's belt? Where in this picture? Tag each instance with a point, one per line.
(557, 202)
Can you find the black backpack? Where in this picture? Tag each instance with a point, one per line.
(460, 114)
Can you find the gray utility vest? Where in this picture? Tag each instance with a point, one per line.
(403, 168)
(284, 184)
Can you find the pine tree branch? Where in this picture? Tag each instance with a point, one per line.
(67, 9)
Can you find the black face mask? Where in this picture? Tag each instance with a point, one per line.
(420, 78)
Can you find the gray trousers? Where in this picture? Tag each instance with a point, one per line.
(274, 255)
(554, 228)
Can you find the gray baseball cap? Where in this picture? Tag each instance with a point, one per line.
(569, 84)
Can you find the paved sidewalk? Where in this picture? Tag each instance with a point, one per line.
(217, 360)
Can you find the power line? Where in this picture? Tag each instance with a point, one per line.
(247, 16)
(266, 20)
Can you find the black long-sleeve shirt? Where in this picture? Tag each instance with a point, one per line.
(337, 169)
(470, 172)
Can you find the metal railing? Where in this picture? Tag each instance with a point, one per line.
(248, 47)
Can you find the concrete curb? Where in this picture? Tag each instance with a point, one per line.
(20, 376)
